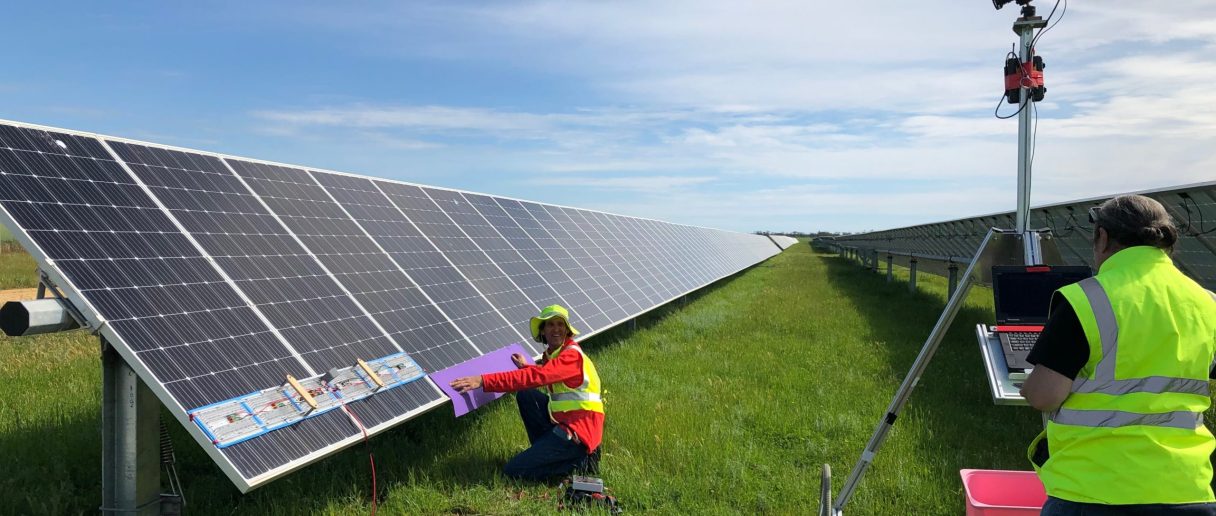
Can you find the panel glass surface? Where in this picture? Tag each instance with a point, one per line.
(462, 209)
(161, 298)
(375, 280)
(280, 277)
(550, 257)
(437, 220)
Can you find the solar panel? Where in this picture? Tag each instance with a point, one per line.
(1193, 208)
(217, 277)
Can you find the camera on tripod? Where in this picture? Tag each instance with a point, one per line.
(1027, 9)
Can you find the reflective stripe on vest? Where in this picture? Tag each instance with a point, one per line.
(1104, 382)
(575, 396)
(1115, 418)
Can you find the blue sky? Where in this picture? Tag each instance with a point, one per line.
(739, 115)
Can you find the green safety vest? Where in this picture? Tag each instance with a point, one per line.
(584, 397)
(1131, 431)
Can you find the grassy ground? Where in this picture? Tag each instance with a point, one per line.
(17, 268)
(728, 403)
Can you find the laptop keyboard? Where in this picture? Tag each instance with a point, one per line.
(1022, 340)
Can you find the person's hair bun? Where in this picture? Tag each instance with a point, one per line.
(1134, 220)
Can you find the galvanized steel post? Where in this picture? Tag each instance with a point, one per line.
(130, 434)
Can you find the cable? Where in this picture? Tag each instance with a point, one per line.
(371, 458)
(1044, 30)
(1034, 137)
(1189, 225)
(1000, 101)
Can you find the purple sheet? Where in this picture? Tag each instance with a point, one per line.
(492, 362)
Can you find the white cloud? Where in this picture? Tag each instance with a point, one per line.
(807, 111)
(636, 183)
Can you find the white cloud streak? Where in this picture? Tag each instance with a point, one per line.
(757, 106)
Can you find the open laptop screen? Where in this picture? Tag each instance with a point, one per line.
(1023, 294)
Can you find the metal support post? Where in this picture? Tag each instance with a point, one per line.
(130, 435)
(953, 283)
(890, 268)
(912, 275)
(874, 260)
(1024, 27)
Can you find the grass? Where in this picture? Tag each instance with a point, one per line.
(17, 268)
(729, 403)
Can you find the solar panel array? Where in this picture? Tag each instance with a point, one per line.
(782, 241)
(1193, 208)
(216, 276)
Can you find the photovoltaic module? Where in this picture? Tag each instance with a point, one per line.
(217, 277)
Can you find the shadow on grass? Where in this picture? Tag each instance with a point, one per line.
(52, 468)
(951, 406)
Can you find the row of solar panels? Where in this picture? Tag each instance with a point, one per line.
(216, 276)
(1192, 207)
(782, 241)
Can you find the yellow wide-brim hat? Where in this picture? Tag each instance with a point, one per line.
(550, 312)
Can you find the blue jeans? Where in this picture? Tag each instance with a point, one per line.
(1058, 507)
(553, 452)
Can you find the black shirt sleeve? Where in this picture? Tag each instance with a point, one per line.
(1062, 346)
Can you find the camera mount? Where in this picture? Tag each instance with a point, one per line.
(1027, 9)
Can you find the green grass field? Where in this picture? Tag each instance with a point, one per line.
(17, 268)
(728, 403)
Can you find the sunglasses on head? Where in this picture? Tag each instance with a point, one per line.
(1093, 215)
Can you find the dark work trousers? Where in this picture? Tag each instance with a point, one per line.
(553, 452)
(1058, 507)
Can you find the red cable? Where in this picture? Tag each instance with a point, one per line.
(370, 457)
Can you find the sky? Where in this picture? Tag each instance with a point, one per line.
(747, 116)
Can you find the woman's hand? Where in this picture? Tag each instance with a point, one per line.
(520, 361)
(466, 384)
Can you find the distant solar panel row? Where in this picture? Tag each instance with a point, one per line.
(216, 276)
(782, 241)
(1193, 208)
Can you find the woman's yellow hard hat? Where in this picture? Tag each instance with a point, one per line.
(550, 312)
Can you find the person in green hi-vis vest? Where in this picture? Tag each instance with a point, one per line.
(1122, 369)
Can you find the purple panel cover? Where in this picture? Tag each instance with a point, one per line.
(492, 362)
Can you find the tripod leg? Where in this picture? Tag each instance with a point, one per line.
(905, 390)
(825, 491)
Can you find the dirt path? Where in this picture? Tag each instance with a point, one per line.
(17, 294)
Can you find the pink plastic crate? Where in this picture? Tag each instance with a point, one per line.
(1002, 493)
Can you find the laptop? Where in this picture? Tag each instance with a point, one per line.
(1022, 298)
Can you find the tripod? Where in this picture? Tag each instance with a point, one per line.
(1019, 246)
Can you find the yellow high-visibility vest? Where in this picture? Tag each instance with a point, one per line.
(1131, 431)
(584, 397)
